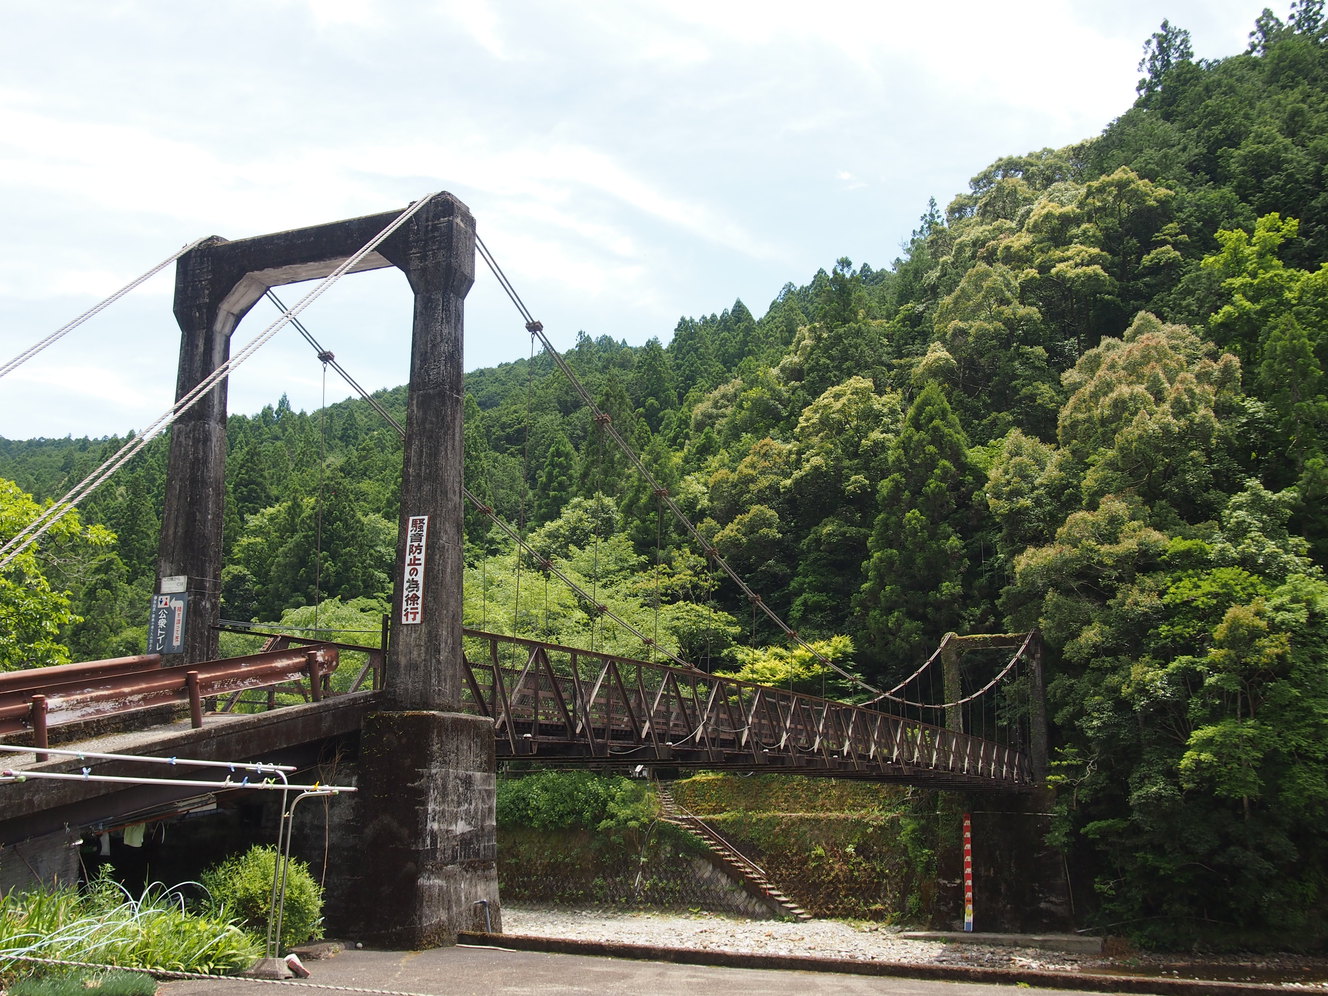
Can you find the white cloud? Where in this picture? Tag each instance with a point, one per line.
(849, 181)
(480, 21)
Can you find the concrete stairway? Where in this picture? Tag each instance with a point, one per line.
(727, 857)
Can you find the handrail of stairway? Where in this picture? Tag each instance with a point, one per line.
(718, 836)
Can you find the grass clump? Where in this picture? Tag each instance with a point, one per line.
(116, 982)
(106, 926)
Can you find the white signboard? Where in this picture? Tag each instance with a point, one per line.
(412, 578)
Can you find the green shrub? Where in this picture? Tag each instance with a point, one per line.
(241, 887)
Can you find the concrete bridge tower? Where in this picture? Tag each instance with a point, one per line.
(427, 844)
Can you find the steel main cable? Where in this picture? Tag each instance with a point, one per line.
(1018, 656)
(56, 511)
(58, 334)
(536, 328)
(488, 512)
(922, 667)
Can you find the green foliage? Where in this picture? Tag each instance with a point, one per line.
(574, 800)
(506, 593)
(798, 668)
(1182, 688)
(1165, 48)
(917, 559)
(241, 886)
(1275, 316)
(32, 609)
(303, 549)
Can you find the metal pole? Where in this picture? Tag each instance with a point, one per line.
(16, 775)
(82, 755)
(282, 865)
(273, 937)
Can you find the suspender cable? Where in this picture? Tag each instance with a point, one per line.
(606, 422)
(32, 351)
(51, 515)
(331, 361)
(537, 328)
(512, 534)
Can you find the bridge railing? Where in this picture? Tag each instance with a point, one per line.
(32, 701)
(553, 699)
(369, 676)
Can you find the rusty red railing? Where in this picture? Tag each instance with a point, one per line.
(37, 699)
(552, 702)
(563, 702)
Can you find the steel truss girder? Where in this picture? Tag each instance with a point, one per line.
(558, 702)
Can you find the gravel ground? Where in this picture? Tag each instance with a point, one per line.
(816, 938)
(873, 942)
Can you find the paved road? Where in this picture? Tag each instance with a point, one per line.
(477, 971)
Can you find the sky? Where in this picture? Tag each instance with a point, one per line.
(628, 162)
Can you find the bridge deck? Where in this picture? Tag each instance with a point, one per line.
(548, 704)
(290, 735)
(562, 703)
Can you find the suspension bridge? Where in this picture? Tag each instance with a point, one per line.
(436, 705)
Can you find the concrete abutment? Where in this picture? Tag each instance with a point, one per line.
(1019, 880)
(426, 857)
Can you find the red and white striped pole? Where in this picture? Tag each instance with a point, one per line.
(968, 872)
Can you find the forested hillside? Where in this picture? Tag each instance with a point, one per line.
(1089, 397)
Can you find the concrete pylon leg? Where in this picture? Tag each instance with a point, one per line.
(429, 847)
